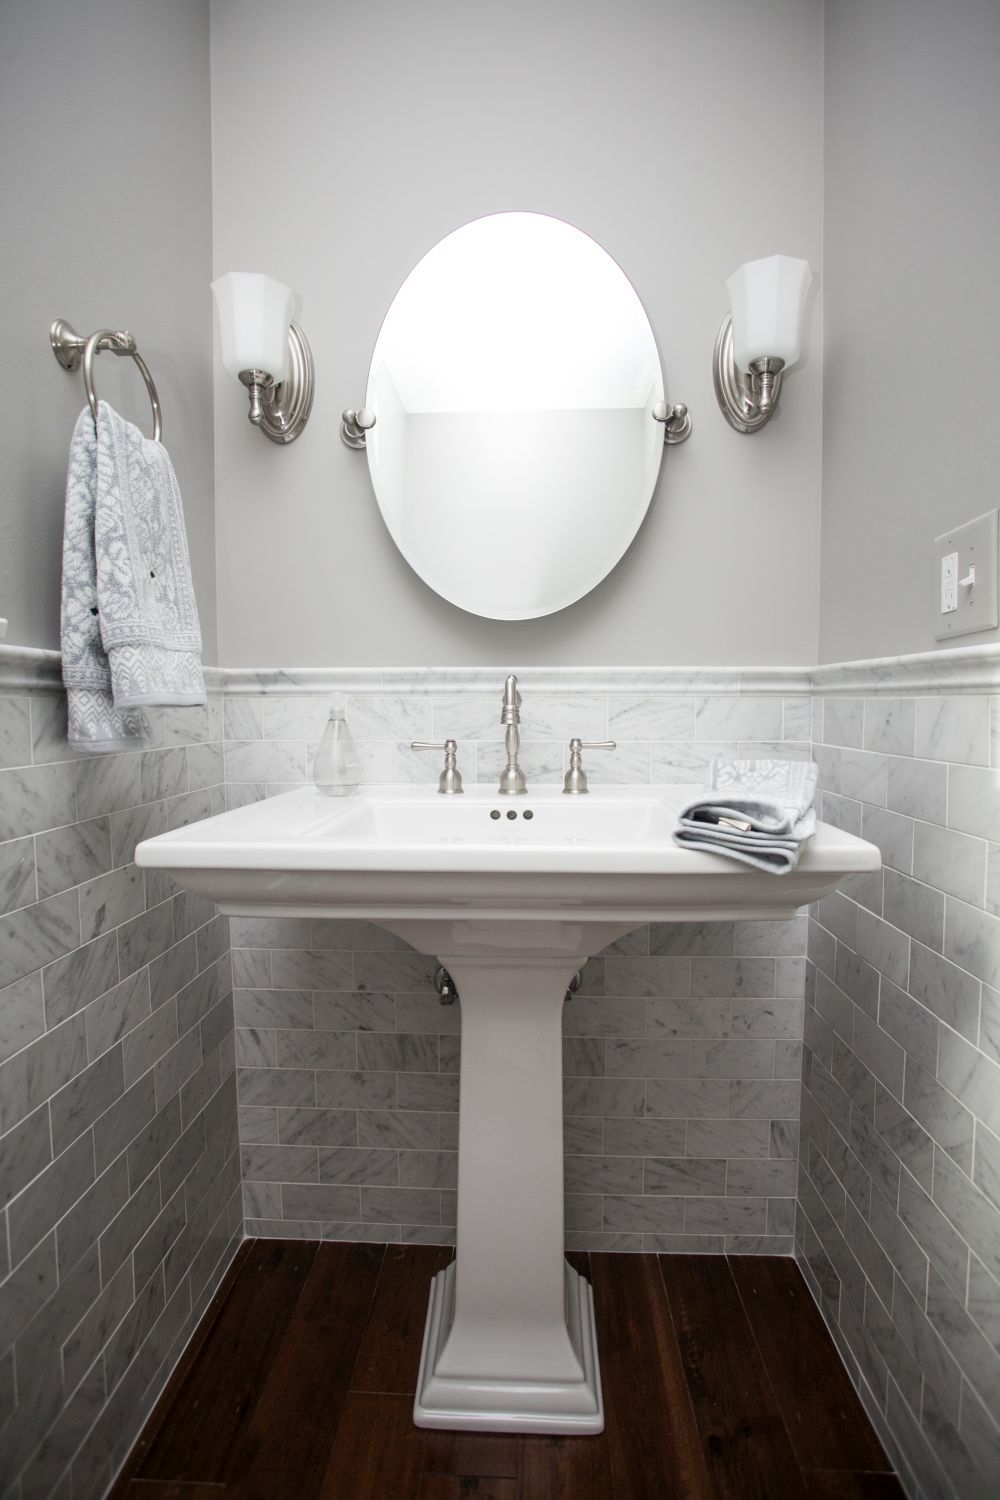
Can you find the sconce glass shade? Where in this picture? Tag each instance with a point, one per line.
(767, 299)
(254, 314)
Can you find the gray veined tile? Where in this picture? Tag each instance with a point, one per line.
(917, 788)
(622, 1097)
(953, 862)
(242, 718)
(319, 1201)
(728, 1138)
(652, 977)
(692, 939)
(842, 812)
(679, 764)
(650, 717)
(884, 946)
(40, 1206)
(110, 900)
(685, 1176)
(686, 1098)
(939, 1112)
(647, 1058)
(732, 1059)
(22, 1016)
(15, 732)
(954, 729)
(947, 990)
(688, 1017)
(970, 1211)
(163, 773)
(843, 722)
(972, 940)
(913, 1027)
(732, 976)
(24, 1152)
(37, 934)
(863, 776)
(643, 1214)
(205, 766)
(993, 880)
(67, 856)
(971, 1077)
(75, 1108)
(893, 833)
(282, 761)
(889, 725)
(108, 783)
(317, 1049)
(17, 874)
(915, 908)
(763, 1018)
(36, 798)
(742, 718)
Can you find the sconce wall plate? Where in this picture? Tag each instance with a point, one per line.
(747, 402)
(282, 411)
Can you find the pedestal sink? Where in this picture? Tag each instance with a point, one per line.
(512, 899)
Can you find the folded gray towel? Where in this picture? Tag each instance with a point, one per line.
(756, 811)
(130, 633)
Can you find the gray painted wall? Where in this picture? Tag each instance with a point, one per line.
(911, 441)
(105, 181)
(633, 122)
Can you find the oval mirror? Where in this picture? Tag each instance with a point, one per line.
(514, 453)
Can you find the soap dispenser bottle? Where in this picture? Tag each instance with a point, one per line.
(337, 770)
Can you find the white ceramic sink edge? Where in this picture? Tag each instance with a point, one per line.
(401, 851)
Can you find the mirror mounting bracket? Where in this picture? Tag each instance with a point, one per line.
(676, 421)
(355, 426)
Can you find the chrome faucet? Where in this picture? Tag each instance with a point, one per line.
(512, 782)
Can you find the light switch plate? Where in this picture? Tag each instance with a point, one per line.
(976, 545)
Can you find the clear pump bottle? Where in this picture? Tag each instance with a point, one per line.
(337, 769)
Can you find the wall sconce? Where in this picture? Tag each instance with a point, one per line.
(266, 350)
(759, 338)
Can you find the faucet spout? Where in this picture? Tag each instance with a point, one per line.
(512, 779)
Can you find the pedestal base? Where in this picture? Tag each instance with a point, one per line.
(485, 1404)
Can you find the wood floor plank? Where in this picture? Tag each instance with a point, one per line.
(840, 1484)
(188, 1360)
(164, 1489)
(824, 1417)
(467, 1487)
(379, 1455)
(746, 1446)
(389, 1358)
(653, 1439)
(223, 1387)
(285, 1445)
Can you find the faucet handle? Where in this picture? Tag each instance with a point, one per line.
(450, 780)
(575, 780)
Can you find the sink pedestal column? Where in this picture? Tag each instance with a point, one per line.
(510, 1343)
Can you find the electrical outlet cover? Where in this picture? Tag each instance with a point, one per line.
(977, 546)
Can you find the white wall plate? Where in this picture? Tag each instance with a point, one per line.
(965, 596)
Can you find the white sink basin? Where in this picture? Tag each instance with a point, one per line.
(600, 857)
(512, 906)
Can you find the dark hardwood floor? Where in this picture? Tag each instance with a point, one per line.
(720, 1383)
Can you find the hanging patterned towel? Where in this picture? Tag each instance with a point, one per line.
(757, 811)
(130, 634)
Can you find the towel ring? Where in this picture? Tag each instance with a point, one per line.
(70, 349)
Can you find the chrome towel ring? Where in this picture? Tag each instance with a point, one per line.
(70, 349)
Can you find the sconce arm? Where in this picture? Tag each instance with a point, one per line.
(747, 402)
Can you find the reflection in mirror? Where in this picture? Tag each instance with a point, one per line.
(514, 454)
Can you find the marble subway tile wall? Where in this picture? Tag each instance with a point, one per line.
(119, 1166)
(899, 1230)
(682, 1051)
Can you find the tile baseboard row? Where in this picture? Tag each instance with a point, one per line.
(966, 669)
